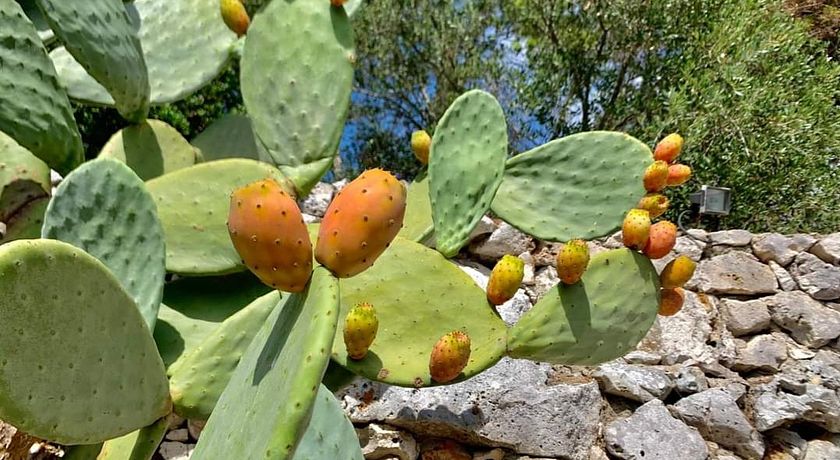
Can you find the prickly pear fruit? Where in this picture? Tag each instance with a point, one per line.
(678, 174)
(450, 356)
(360, 328)
(420, 144)
(661, 239)
(360, 223)
(636, 229)
(572, 261)
(235, 16)
(337, 2)
(677, 272)
(668, 149)
(505, 279)
(656, 176)
(671, 301)
(654, 203)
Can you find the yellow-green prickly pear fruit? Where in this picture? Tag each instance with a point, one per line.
(505, 279)
(420, 144)
(668, 149)
(572, 261)
(235, 16)
(656, 176)
(449, 356)
(671, 301)
(654, 203)
(677, 272)
(678, 174)
(360, 328)
(636, 229)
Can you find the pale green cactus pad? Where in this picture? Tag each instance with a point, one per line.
(82, 452)
(104, 208)
(466, 164)
(329, 435)
(23, 177)
(100, 35)
(405, 286)
(297, 75)
(185, 45)
(26, 223)
(598, 319)
(198, 379)
(417, 224)
(151, 148)
(193, 205)
(263, 411)
(137, 445)
(34, 110)
(580, 186)
(228, 137)
(59, 382)
(38, 20)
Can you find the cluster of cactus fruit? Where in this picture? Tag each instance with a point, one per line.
(169, 275)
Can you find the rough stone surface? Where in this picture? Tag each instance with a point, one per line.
(529, 268)
(545, 279)
(181, 434)
(504, 240)
(511, 310)
(745, 317)
(782, 444)
(786, 281)
(781, 249)
(171, 450)
(828, 248)
(690, 380)
(789, 399)
(318, 200)
(633, 382)
(809, 322)
(382, 441)
(735, 273)
(819, 449)
(819, 279)
(764, 353)
(642, 357)
(730, 237)
(651, 433)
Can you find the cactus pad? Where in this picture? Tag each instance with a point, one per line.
(34, 110)
(38, 20)
(263, 411)
(598, 319)
(193, 205)
(100, 35)
(404, 286)
(137, 445)
(58, 381)
(23, 177)
(297, 75)
(151, 148)
(329, 435)
(467, 162)
(228, 137)
(579, 186)
(417, 224)
(104, 208)
(26, 222)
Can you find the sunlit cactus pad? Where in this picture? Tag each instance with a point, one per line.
(417, 224)
(151, 148)
(228, 137)
(329, 434)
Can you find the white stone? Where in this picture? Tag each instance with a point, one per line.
(382, 441)
(171, 450)
(828, 248)
(181, 434)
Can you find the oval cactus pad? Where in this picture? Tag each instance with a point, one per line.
(579, 186)
(151, 148)
(417, 224)
(59, 306)
(419, 296)
(595, 320)
(329, 435)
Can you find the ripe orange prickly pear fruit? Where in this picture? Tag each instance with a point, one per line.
(267, 230)
(360, 328)
(420, 144)
(677, 272)
(662, 238)
(656, 176)
(572, 261)
(678, 174)
(636, 229)
(671, 301)
(360, 223)
(505, 279)
(337, 2)
(235, 16)
(450, 356)
(654, 203)
(668, 149)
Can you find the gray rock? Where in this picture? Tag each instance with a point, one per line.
(817, 278)
(528, 276)
(781, 249)
(810, 323)
(819, 449)
(340, 184)
(786, 400)
(784, 444)
(735, 273)
(689, 247)
(180, 434)
(717, 417)
(642, 357)
(511, 310)
(786, 281)
(484, 226)
(828, 248)
(382, 441)
(509, 405)
(310, 219)
(504, 240)
(651, 433)
(690, 380)
(731, 237)
(195, 428)
(545, 279)
(744, 317)
(826, 365)
(639, 383)
(764, 353)
(318, 200)
(699, 234)
(171, 450)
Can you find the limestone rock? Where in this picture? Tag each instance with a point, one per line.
(318, 200)
(639, 383)
(763, 353)
(504, 240)
(745, 317)
(642, 357)
(781, 249)
(809, 322)
(545, 279)
(382, 441)
(171, 450)
(784, 444)
(730, 237)
(786, 281)
(828, 248)
(819, 449)
(788, 399)
(690, 380)
(735, 273)
(817, 278)
(651, 433)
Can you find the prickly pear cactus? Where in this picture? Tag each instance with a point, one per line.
(151, 148)
(329, 433)
(417, 223)
(137, 445)
(228, 137)
(23, 177)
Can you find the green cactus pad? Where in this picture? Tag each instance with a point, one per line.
(337, 377)
(203, 50)
(263, 411)
(466, 164)
(417, 224)
(194, 307)
(100, 35)
(59, 382)
(329, 435)
(193, 206)
(198, 379)
(82, 452)
(23, 177)
(38, 20)
(26, 222)
(297, 75)
(405, 286)
(228, 137)
(104, 208)
(151, 148)
(598, 319)
(137, 445)
(34, 110)
(580, 186)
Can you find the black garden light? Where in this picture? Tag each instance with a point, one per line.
(715, 201)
